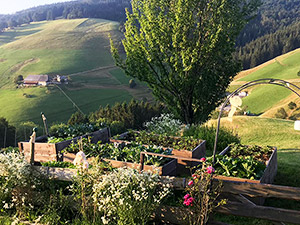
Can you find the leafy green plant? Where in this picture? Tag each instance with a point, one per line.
(281, 113)
(59, 164)
(164, 124)
(242, 167)
(292, 105)
(62, 132)
(128, 152)
(146, 138)
(201, 196)
(261, 153)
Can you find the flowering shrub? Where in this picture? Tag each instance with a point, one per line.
(17, 182)
(164, 124)
(201, 196)
(126, 196)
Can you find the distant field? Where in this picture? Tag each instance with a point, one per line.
(53, 103)
(120, 76)
(60, 46)
(264, 98)
(77, 48)
(284, 67)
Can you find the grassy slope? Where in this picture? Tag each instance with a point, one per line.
(264, 98)
(55, 105)
(60, 47)
(274, 132)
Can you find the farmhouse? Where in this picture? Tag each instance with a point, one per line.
(36, 80)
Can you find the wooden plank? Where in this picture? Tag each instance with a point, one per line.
(250, 189)
(260, 212)
(262, 190)
(165, 170)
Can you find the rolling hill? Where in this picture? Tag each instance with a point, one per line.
(265, 98)
(76, 48)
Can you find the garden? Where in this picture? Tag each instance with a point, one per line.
(178, 176)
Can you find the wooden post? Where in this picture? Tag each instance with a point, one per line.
(32, 141)
(142, 159)
(45, 123)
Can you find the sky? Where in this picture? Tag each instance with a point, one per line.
(12, 6)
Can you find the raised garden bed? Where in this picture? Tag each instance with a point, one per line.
(181, 146)
(44, 152)
(270, 161)
(126, 155)
(266, 155)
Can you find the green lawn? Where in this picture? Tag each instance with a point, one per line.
(99, 80)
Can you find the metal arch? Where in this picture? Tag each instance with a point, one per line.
(277, 82)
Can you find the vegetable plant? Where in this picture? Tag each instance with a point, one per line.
(62, 132)
(128, 152)
(59, 164)
(261, 153)
(143, 137)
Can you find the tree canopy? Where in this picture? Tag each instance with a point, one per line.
(183, 50)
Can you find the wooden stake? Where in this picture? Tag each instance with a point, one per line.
(32, 141)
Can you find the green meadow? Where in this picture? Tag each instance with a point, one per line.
(54, 103)
(284, 67)
(265, 97)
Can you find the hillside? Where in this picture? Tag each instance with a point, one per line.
(266, 97)
(273, 32)
(76, 48)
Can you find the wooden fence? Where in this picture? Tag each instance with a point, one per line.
(239, 204)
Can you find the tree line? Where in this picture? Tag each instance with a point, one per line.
(269, 46)
(104, 9)
(274, 31)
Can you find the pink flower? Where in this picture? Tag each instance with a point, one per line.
(202, 159)
(195, 176)
(186, 196)
(190, 182)
(210, 170)
(188, 201)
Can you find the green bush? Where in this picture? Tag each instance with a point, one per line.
(132, 114)
(132, 83)
(292, 105)
(78, 118)
(225, 137)
(281, 113)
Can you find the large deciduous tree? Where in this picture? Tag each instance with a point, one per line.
(183, 50)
